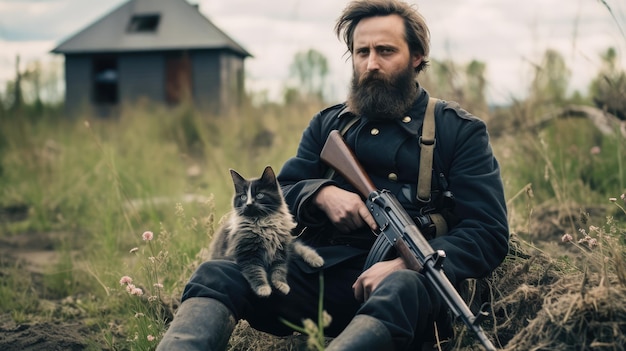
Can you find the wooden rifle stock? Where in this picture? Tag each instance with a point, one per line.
(339, 156)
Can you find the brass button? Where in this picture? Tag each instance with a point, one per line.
(374, 131)
(406, 119)
(393, 177)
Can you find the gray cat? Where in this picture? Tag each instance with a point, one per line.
(258, 234)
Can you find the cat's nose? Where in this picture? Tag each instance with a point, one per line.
(248, 209)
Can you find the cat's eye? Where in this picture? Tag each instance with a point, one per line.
(260, 195)
(243, 197)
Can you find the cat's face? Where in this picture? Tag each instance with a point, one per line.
(256, 197)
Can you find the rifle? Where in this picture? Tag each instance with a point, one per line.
(402, 233)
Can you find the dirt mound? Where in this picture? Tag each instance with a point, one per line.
(575, 319)
(540, 303)
(42, 336)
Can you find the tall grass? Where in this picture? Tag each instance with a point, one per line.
(98, 185)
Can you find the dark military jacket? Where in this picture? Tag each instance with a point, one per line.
(390, 153)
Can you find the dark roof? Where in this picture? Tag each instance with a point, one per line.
(179, 26)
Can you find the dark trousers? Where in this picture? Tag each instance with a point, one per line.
(402, 302)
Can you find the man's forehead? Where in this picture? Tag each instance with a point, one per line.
(389, 27)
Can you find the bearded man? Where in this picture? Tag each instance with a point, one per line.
(386, 306)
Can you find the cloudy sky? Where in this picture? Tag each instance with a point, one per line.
(509, 35)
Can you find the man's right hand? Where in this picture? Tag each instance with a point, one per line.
(345, 209)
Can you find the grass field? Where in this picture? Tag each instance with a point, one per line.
(80, 197)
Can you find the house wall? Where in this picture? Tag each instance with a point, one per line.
(141, 76)
(232, 81)
(206, 72)
(217, 80)
(78, 73)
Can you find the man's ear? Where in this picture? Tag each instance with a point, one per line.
(416, 60)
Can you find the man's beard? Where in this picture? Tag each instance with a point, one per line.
(379, 97)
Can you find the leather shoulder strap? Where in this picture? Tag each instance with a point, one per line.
(427, 143)
(349, 125)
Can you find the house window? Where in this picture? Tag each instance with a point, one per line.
(143, 23)
(105, 80)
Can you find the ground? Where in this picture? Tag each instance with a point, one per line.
(42, 336)
(32, 253)
(64, 324)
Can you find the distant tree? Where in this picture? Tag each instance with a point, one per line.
(17, 100)
(465, 84)
(32, 75)
(608, 88)
(3, 109)
(551, 79)
(476, 86)
(448, 80)
(310, 70)
(34, 91)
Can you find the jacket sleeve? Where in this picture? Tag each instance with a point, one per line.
(479, 242)
(302, 176)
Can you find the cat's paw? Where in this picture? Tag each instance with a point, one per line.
(315, 261)
(263, 290)
(282, 287)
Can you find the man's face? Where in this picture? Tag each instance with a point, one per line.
(383, 83)
(379, 45)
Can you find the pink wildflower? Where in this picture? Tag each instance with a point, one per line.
(595, 150)
(566, 238)
(126, 280)
(137, 292)
(130, 288)
(150, 338)
(147, 235)
(158, 285)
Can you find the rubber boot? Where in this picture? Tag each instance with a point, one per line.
(199, 324)
(364, 333)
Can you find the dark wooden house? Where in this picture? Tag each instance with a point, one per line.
(165, 51)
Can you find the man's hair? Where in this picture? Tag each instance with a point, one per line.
(416, 31)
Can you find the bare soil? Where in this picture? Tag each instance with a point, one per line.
(32, 254)
(43, 335)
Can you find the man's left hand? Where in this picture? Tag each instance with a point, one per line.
(369, 280)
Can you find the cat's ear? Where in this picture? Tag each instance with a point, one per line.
(268, 175)
(238, 180)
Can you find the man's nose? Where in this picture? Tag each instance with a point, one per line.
(372, 62)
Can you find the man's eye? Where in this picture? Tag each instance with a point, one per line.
(260, 195)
